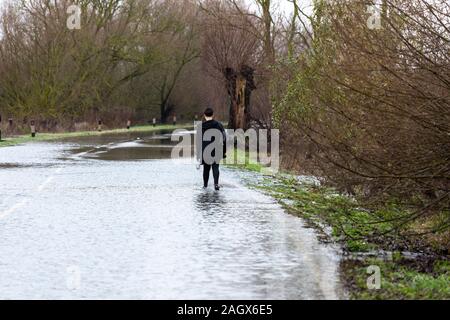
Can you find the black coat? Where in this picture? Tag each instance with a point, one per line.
(213, 124)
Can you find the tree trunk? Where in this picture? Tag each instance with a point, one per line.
(239, 86)
(163, 113)
(166, 108)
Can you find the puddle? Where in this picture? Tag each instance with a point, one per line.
(150, 146)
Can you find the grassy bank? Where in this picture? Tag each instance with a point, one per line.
(15, 140)
(369, 238)
(400, 279)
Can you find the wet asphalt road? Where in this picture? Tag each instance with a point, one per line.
(114, 218)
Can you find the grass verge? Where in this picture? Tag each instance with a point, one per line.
(400, 279)
(364, 234)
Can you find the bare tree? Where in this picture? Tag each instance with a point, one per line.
(374, 103)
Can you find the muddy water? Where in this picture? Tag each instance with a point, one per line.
(113, 217)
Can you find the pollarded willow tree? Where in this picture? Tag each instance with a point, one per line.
(239, 46)
(229, 51)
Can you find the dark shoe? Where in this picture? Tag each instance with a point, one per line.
(216, 187)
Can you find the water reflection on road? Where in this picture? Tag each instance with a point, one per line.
(113, 217)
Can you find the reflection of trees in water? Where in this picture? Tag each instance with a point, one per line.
(140, 153)
(209, 201)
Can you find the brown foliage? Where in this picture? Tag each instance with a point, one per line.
(373, 106)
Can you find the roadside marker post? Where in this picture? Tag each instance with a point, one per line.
(129, 124)
(100, 126)
(10, 126)
(33, 128)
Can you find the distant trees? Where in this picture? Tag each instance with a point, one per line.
(177, 47)
(58, 75)
(49, 70)
(137, 57)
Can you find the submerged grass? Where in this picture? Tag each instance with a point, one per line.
(241, 160)
(342, 219)
(349, 223)
(15, 140)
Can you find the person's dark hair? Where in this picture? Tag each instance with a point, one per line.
(209, 112)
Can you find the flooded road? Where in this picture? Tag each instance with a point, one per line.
(115, 218)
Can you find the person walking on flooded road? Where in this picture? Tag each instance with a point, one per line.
(213, 148)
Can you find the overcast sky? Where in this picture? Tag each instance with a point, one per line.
(286, 6)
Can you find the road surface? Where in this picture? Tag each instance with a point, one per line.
(112, 217)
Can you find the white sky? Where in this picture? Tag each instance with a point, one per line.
(287, 7)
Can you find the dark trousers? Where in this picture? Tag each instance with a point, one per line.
(206, 172)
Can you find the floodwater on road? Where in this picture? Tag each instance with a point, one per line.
(113, 217)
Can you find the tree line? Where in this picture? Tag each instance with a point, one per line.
(126, 60)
